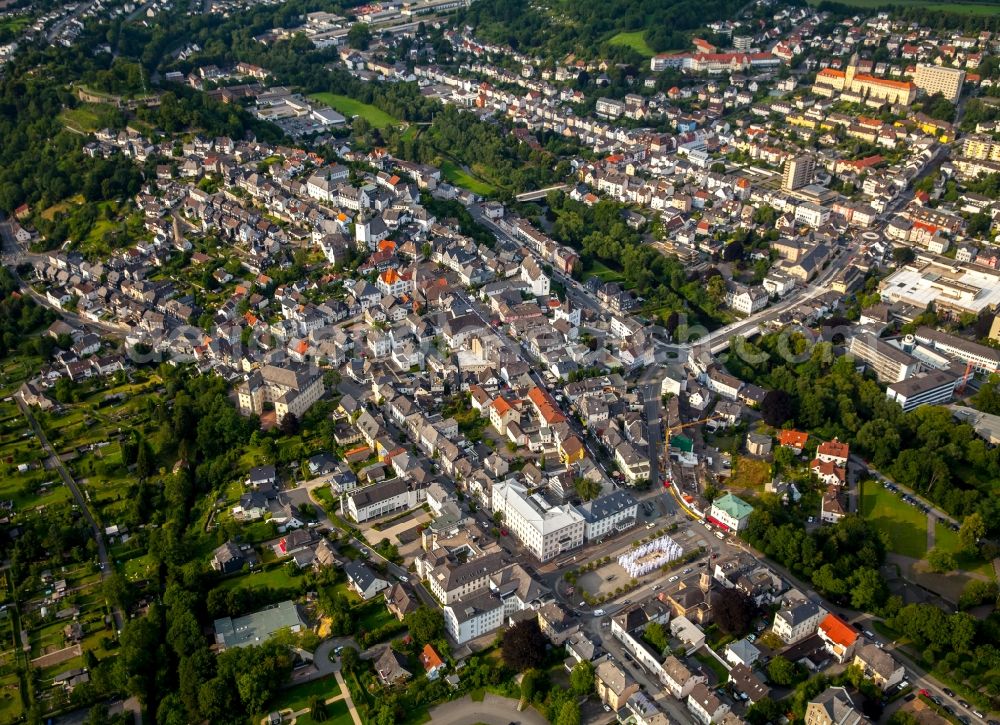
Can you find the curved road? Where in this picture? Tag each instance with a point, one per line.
(493, 710)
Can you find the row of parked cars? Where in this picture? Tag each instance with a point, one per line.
(913, 501)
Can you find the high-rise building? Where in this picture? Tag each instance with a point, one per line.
(933, 79)
(798, 171)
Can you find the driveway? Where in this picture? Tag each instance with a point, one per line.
(492, 710)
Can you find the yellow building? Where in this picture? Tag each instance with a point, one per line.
(830, 80)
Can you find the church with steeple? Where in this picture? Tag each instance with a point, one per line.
(858, 87)
(692, 598)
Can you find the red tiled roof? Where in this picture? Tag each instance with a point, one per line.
(838, 631)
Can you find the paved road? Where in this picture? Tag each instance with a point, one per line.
(492, 710)
(79, 498)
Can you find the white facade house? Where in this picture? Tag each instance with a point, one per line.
(473, 617)
(381, 498)
(612, 513)
(543, 529)
(797, 622)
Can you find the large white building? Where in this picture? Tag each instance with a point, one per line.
(382, 498)
(292, 390)
(543, 529)
(936, 387)
(608, 514)
(473, 616)
(953, 287)
(933, 79)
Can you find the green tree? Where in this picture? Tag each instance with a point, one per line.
(972, 530)
(581, 679)
(569, 714)
(941, 561)
(783, 672)
(657, 636)
(359, 36)
(426, 624)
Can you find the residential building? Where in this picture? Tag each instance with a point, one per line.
(879, 666)
(933, 79)
(390, 668)
(742, 652)
(545, 530)
(798, 172)
(614, 685)
(257, 628)
(838, 637)
(744, 680)
(363, 581)
(730, 512)
(833, 706)
(797, 621)
(678, 679)
(705, 705)
(385, 497)
(432, 663)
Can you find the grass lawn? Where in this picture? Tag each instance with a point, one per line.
(11, 708)
(635, 40)
(352, 107)
(905, 525)
(605, 273)
(85, 118)
(298, 697)
(958, 7)
(454, 174)
(947, 539)
(336, 714)
(374, 615)
(713, 664)
(277, 578)
(750, 473)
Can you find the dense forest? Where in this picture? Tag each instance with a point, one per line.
(563, 26)
(19, 317)
(925, 449)
(929, 17)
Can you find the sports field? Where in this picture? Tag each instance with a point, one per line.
(351, 107)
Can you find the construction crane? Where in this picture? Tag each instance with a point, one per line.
(965, 378)
(673, 429)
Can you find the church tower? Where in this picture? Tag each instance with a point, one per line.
(705, 581)
(852, 68)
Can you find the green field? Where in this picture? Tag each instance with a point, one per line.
(905, 525)
(636, 41)
(968, 8)
(454, 174)
(85, 118)
(14, 24)
(351, 107)
(605, 273)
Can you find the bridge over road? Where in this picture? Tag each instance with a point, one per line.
(540, 193)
